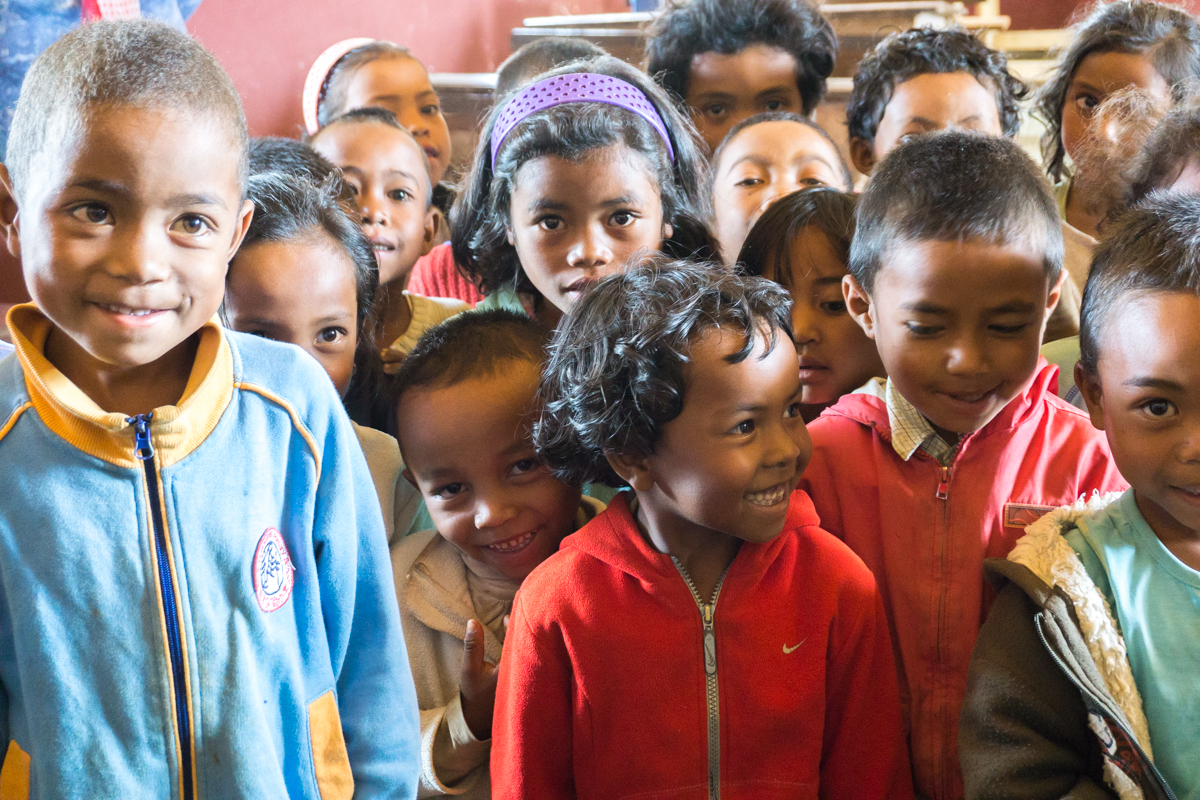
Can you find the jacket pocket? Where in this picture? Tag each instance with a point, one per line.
(331, 763)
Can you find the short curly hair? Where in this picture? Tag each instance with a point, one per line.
(691, 27)
(616, 371)
(768, 244)
(923, 51)
(1167, 35)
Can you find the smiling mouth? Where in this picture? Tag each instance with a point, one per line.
(382, 247)
(768, 497)
(129, 311)
(970, 399)
(580, 285)
(513, 545)
(431, 152)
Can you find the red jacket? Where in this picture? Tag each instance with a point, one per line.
(924, 530)
(603, 686)
(436, 275)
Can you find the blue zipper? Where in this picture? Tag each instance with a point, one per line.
(144, 451)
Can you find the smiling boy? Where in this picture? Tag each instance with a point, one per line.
(926, 473)
(703, 637)
(1104, 700)
(187, 503)
(727, 60)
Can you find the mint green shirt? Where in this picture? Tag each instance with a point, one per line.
(1155, 598)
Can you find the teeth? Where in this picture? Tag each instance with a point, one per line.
(769, 497)
(509, 545)
(384, 247)
(133, 312)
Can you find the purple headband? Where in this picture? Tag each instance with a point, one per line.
(576, 87)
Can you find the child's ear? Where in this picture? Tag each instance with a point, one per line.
(1055, 295)
(634, 470)
(9, 213)
(1089, 386)
(245, 214)
(858, 303)
(408, 476)
(862, 155)
(433, 225)
(668, 231)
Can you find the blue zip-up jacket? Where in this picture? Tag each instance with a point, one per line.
(200, 606)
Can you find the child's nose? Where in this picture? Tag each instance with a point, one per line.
(493, 512)
(591, 251)
(967, 357)
(373, 210)
(782, 449)
(141, 256)
(804, 326)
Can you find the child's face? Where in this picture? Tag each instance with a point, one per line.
(391, 184)
(765, 162)
(836, 357)
(1098, 76)
(731, 459)
(724, 89)
(301, 292)
(468, 448)
(124, 241)
(933, 101)
(401, 85)
(575, 222)
(1146, 398)
(958, 325)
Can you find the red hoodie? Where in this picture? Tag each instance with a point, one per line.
(436, 275)
(924, 530)
(603, 687)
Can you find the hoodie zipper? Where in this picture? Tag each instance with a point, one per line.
(144, 450)
(1162, 783)
(711, 691)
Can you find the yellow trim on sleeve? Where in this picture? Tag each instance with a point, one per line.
(331, 761)
(286, 406)
(12, 419)
(14, 777)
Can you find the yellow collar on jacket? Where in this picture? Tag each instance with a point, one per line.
(175, 430)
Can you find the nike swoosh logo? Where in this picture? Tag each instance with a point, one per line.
(789, 650)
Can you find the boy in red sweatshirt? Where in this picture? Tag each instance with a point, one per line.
(703, 637)
(955, 267)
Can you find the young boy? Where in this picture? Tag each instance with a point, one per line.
(730, 59)
(923, 80)
(389, 174)
(926, 473)
(467, 399)
(1112, 584)
(195, 571)
(703, 636)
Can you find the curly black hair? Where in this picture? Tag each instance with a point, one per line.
(691, 27)
(766, 248)
(1169, 36)
(921, 51)
(616, 371)
(1172, 144)
(482, 212)
(1152, 248)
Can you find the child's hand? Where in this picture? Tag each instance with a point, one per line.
(477, 684)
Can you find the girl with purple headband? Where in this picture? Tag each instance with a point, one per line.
(574, 174)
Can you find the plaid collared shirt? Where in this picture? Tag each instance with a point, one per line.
(910, 430)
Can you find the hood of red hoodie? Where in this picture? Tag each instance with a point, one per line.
(614, 539)
(872, 411)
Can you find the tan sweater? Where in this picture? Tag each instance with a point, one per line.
(398, 499)
(435, 606)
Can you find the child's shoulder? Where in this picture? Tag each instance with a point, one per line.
(823, 557)
(282, 374)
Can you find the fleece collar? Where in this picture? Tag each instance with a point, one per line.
(175, 430)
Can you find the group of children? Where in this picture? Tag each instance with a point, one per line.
(689, 472)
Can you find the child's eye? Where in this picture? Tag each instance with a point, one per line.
(813, 182)
(774, 105)
(331, 335)
(792, 411)
(1086, 104)
(191, 224)
(1159, 408)
(93, 213)
(623, 218)
(525, 466)
(1010, 330)
(922, 330)
(834, 307)
(550, 223)
(430, 109)
(449, 490)
(400, 195)
(749, 182)
(714, 110)
(745, 427)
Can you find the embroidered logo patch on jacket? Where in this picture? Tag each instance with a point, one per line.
(1022, 515)
(273, 571)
